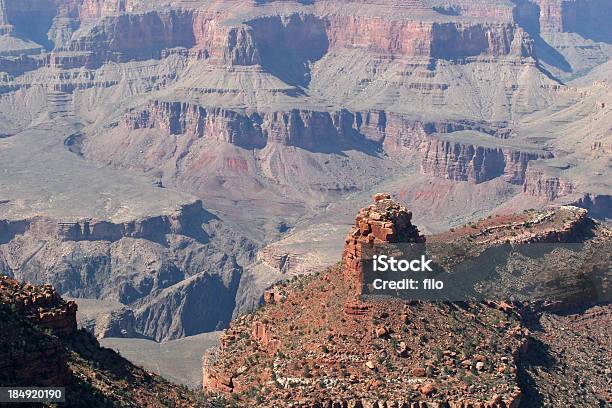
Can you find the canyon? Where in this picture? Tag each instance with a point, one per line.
(176, 158)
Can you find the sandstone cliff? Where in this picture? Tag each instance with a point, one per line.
(542, 182)
(109, 27)
(462, 161)
(572, 15)
(383, 222)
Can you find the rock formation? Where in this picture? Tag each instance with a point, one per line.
(383, 222)
(465, 162)
(313, 343)
(41, 305)
(40, 346)
(156, 266)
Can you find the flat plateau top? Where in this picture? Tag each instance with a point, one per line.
(40, 177)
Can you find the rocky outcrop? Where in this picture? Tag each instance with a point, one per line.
(41, 305)
(462, 161)
(317, 344)
(311, 130)
(308, 129)
(382, 222)
(37, 354)
(199, 304)
(314, 337)
(298, 38)
(126, 37)
(163, 270)
(27, 354)
(118, 322)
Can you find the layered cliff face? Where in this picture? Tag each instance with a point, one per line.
(108, 27)
(126, 37)
(149, 228)
(465, 162)
(540, 183)
(383, 222)
(437, 31)
(179, 137)
(310, 130)
(417, 38)
(92, 9)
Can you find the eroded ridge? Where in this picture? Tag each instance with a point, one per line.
(42, 305)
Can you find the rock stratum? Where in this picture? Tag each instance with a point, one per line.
(176, 158)
(315, 342)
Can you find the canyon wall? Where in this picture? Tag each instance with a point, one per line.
(311, 130)
(462, 161)
(542, 183)
(457, 159)
(126, 37)
(110, 30)
(177, 274)
(446, 40)
(150, 228)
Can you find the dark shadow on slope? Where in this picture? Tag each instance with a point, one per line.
(74, 143)
(447, 11)
(590, 20)
(549, 55)
(527, 16)
(304, 2)
(33, 23)
(195, 217)
(287, 45)
(536, 356)
(323, 132)
(10, 229)
(213, 312)
(288, 68)
(599, 206)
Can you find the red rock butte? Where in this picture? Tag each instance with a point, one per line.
(385, 221)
